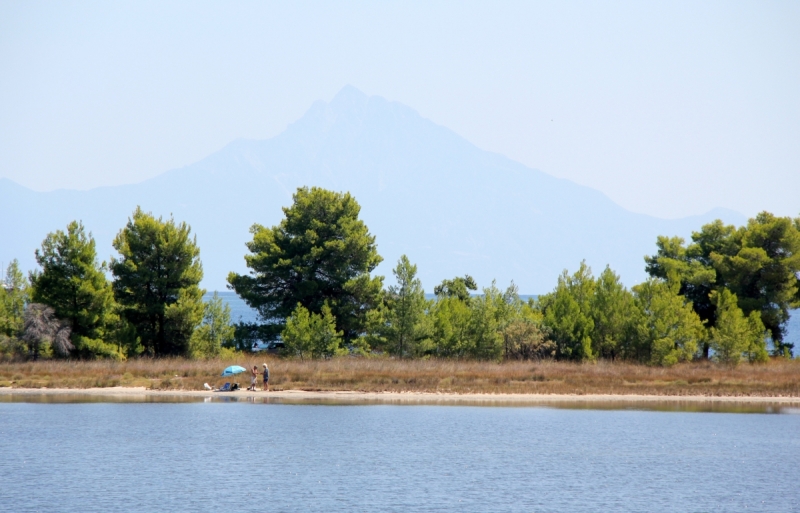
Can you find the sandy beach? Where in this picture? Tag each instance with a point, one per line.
(354, 397)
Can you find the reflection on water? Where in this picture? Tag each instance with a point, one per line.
(238, 453)
(664, 406)
(93, 398)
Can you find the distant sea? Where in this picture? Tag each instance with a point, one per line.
(240, 312)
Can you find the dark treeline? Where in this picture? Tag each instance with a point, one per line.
(726, 295)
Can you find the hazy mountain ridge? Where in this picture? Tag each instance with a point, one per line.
(425, 191)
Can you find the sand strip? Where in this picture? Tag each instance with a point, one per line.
(350, 397)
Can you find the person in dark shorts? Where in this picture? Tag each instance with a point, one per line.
(265, 386)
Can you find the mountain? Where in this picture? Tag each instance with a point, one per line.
(425, 191)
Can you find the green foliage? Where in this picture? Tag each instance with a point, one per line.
(690, 268)
(247, 335)
(157, 282)
(589, 317)
(451, 327)
(796, 300)
(735, 335)
(693, 267)
(374, 338)
(11, 348)
(763, 273)
(320, 253)
(14, 293)
(613, 312)
(567, 314)
(525, 339)
(127, 338)
(215, 333)
(407, 331)
(457, 287)
(97, 348)
(310, 335)
(310, 282)
(478, 326)
(668, 325)
(759, 263)
(490, 315)
(74, 284)
(757, 352)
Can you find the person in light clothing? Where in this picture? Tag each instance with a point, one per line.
(265, 386)
(253, 377)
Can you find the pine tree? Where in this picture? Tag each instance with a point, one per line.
(567, 314)
(407, 330)
(736, 336)
(74, 284)
(310, 335)
(157, 281)
(611, 308)
(216, 331)
(321, 252)
(14, 293)
(668, 326)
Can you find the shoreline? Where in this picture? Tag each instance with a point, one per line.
(385, 380)
(411, 397)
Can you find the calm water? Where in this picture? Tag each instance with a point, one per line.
(272, 457)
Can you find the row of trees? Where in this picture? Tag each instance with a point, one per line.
(729, 291)
(583, 319)
(310, 279)
(590, 318)
(496, 324)
(152, 305)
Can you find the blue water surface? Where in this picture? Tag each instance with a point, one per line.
(198, 457)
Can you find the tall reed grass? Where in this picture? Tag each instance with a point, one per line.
(777, 378)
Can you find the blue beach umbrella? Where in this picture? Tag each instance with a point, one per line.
(233, 370)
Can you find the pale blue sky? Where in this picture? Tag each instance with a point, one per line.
(669, 108)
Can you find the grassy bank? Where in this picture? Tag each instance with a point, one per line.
(777, 378)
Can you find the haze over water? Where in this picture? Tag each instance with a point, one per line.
(270, 457)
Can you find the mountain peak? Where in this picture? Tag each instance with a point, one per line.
(424, 191)
(348, 96)
(349, 111)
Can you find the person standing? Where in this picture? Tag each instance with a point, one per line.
(253, 377)
(265, 386)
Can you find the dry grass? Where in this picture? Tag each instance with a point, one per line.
(777, 378)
